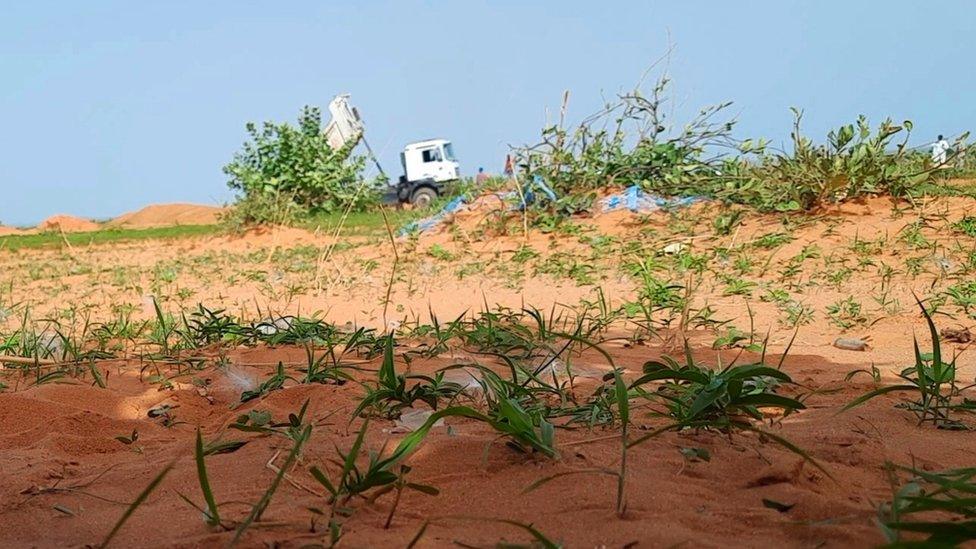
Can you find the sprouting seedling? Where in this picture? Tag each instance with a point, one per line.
(538, 538)
(97, 377)
(164, 328)
(328, 368)
(131, 439)
(273, 383)
(392, 393)
(206, 326)
(213, 514)
(934, 382)
(697, 397)
(260, 421)
(513, 411)
(623, 407)
(353, 480)
(621, 397)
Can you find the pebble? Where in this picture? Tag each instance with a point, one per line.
(851, 344)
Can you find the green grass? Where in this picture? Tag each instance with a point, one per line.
(357, 224)
(945, 188)
(103, 236)
(369, 223)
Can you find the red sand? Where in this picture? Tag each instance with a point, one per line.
(59, 438)
(159, 215)
(68, 224)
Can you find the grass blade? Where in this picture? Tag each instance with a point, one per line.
(213, 517)
(138, 501)
(265, 500)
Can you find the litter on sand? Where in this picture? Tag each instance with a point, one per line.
(632, 198)
(636, 200)
(428, 223)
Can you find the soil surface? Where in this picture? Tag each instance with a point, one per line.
(162, 215)
(66, 478)
(68, 224)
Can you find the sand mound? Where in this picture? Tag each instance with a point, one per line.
(68, 224)
(159, 215)
(7, 231)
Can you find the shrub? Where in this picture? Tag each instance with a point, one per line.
(632, 142)
(629, 142)
(284, 171)
(854, 162)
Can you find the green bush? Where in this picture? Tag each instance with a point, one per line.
(283, 172)
(632, 142)
(629, 142)
(854, 162)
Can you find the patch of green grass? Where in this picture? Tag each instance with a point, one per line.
(945, 188)
(363, 223)
(966, 225)
(914, 503)
(103, 236)
(772, 240)
(846, 313)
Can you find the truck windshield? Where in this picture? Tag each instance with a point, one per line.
(448, 152)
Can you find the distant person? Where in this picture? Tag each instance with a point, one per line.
(482, 177)
(940, 151)
(509, 166)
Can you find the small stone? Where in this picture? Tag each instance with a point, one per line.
(411, 420)
(851, 344)
(673, 248)
(271, 326)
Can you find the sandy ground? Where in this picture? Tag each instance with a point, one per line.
(68, 224)
(64, 474)
(154, 215)
(161, 215)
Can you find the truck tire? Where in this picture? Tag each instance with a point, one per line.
(423, 197)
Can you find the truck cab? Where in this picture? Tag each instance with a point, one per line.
(427, 166)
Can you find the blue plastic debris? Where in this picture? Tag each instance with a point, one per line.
(428, 223)
(537, 184)
(636, 200)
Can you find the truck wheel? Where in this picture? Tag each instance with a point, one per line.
(423, 197)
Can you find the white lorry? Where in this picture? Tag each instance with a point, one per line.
(427, 165)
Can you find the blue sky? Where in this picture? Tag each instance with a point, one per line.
(108, 106)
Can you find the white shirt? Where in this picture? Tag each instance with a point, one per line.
(939, 150)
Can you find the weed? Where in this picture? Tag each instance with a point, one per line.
(733, 337)
(694, 393)
(846, 313)
(738, 286)
(212, 514)
(963, 295)
(273, 383)
(724, 223)
(772, 240)
(934, 382)
(966, 226)
(439, 253)
(947, 492)
(796, 313)
(390, 394)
